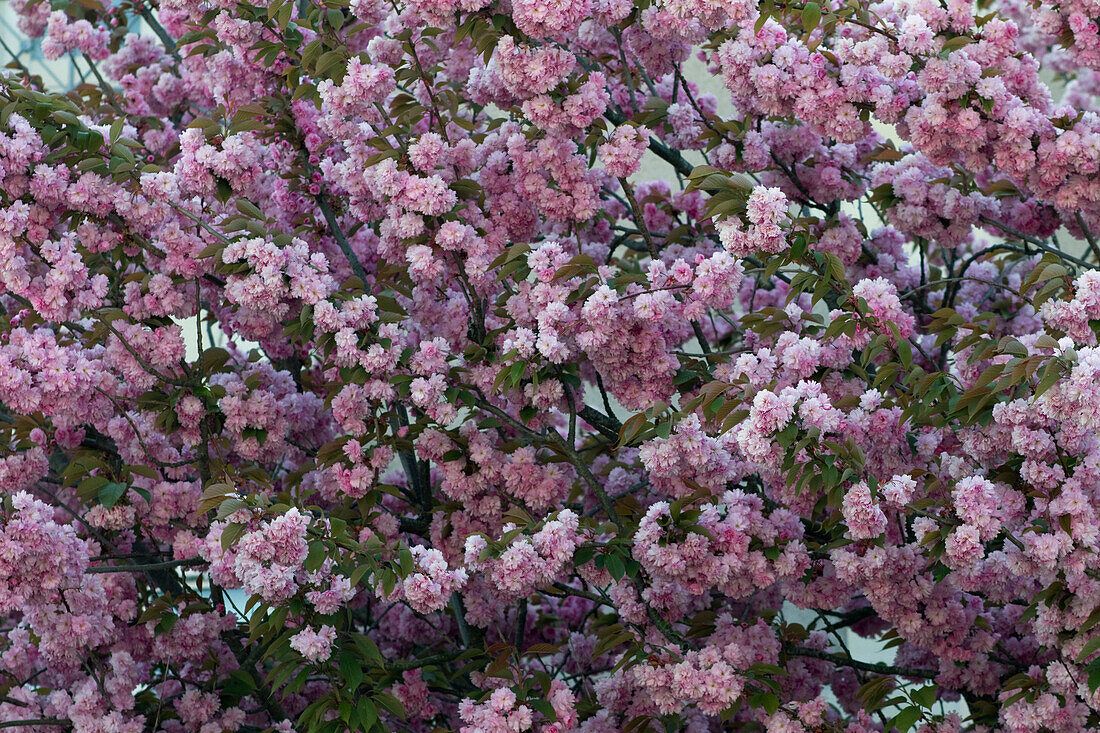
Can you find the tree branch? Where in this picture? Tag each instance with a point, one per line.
(341, 240)
(142, 568)
(1036, 242)
(35, 721)
(876, 667)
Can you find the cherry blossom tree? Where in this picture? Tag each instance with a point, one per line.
(463, 365)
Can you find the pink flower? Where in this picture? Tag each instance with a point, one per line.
(863, 516)
(963, 546)
(315, 646)
(622, 154)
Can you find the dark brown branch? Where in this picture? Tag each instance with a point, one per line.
(876, 667)
(662, 151)
(608, 425)
(35, 721)
(1036, 242)
(639, 217)
(341, 240)
(142, 568)
(1088, 236)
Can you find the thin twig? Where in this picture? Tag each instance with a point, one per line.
(1088, 236)
(639, 217)
(35, 721)
(876, 667)
(142, 568)
(1037, 242)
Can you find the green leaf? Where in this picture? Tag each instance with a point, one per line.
(811, 16)
(369, 649)
(767, 700)
(1094, 676)
(905, 719)
(389, 580)
(351, 671)
(327, 62)
(925, 696)
(224, 190)
(615, 566)
(1051, 374)
(229, 506)
(213, 359)
(954, 44)
(405, 562)
(515, 372)
(230, 534)
(146, 471)
(110, 493)
(391, 703)
(250, 209)
(316, 556)
(90, 486)
(1089, 649)
(611, 641)
(1092, 620)
(368, 713)
(166, 623)
(631, 427)
(762, 668)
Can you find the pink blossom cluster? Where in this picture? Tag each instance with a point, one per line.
(265, 562)
(429, 587)
(865, 519)
(357, 479)
(881, 297)
(1072, 399)
(823, 168)
(238, 158)
(523, 71)
(927, 207)
(530, 561)
(20, 470)
(43, 373)
(1078, 19)
(59, 284)
(137, 353)
(490, 470)
(689, 454)
(64, 35)
(765, 209)
(718, 555)
(573, 114)
(316, 646)
(258, 404)
(1073, 316)
(364, 86)
(275, 275)
(768, 414)
(499, 714)
(39, 558)
(710, 678)
(771, 73)
(413, 693)
(549, 18)
(622, 153)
